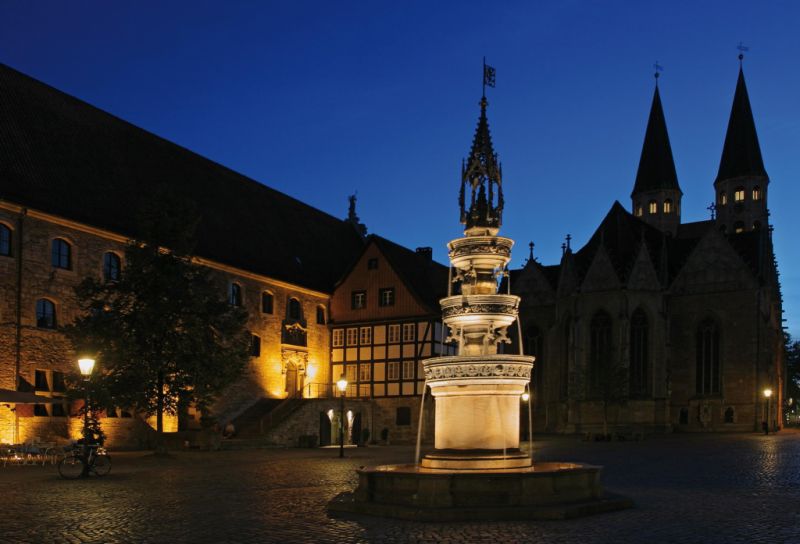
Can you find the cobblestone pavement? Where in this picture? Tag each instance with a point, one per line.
(688, 489)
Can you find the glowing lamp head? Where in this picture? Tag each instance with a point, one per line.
(342, 384)
(311, 371)
(768, 393)
(525, 396)
(86, 365)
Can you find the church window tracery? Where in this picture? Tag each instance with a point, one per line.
(707, 375)
(639, 366)
(668, 206)
(600, 352)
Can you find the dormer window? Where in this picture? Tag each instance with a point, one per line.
(653, 207)
(738, 194)
(668, 206)
(756, 193)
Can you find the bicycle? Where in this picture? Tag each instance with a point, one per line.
(72, 465)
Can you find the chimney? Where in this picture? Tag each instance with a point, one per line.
(426, 253)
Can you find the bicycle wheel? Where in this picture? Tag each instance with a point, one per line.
(102, 465)
(71, 467)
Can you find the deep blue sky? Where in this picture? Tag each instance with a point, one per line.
(320, 99)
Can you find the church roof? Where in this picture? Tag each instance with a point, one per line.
(741, 154)
(656, 165)
(63, 156)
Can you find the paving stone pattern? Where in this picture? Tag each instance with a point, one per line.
(688, 489)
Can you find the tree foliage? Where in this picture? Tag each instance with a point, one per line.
(792, 368)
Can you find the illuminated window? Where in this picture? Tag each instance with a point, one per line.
(394, 334)
(386, 296)
(707, 372)
(5, 240)
(653, 207)
(358, 300)
(45, 314)
(61, 254)
(639, 210)
(350, 373)
(408, 332)
(294, 310)
(352, 337)
(756, 225)
(320, 315)
(111, 266)
(364, 373)
(738, 227)
(267, 303)
(338, 338)
(408, 370)
(255, 346)
(366, 336)
(393, 371)
(667, 206)
(235, 294)
(738, 194)
(723, 199)
(756, 193)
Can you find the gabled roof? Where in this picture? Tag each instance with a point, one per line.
(63, 156)
(656, 165)
(741, 154)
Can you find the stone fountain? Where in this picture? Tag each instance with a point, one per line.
(477, 469)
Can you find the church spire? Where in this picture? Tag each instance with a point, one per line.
(741, 154)
(482, 173)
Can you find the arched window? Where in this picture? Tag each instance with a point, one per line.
(235, 294)
(566, 351)
(756, 225)
(640, 363)
(45, 314)
(668, 206)
(293, 310)
(707, 375)
(756, 193)
(738, 194)
(320, 315)
(533, 346)
(267, 303)
(723, 199)
(61, 254)
(653, 207)
(600, 353)
(738, 227)
(5, 240)
(111, 266)
(639, 210)
(729, 415)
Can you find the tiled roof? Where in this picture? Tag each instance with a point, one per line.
(63, 156)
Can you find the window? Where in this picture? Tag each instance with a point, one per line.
(729, 410)
(738, 227)
(235, 294)
(723, 199)
(293, 310)
(394, 334)
(366, 336)
(358, 300)
(352, 337)
(668, 206)
(45, 314)
(533, 346)
(393, 371)
(372, 264)
(386, 296)
(408, 370)
(364, 373)
(568, 353)
(111, 266)
(320, 315)
(600, 354)
(267, 303)
(639, 210)
(756, 225)
(652, 207)
(338, 338)
(738, 194)
(756, 193)
(707, 371)
(61, 254)
(58, 382)
(350, 373)
(40, 410)
(639, 379)
(408, 332)
(40, 380)
(403, 416)
(255, 346)
(5, 240)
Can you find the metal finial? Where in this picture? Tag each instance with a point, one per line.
(713, 209)
(530, 256)
(563, 248)
(742, 49)
(569, 239)
(658, 69)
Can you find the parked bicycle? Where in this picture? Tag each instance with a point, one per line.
(72, 465)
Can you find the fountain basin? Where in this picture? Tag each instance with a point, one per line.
(544, 491)
(487, 252)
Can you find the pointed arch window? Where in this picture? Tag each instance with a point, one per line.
(723, 199)
(756, 193)
(111, 266)
(668, 206)
(61, 254)
(738, 194)
(639, 210)
(567, 352)
(640, 362)
(235, 294)
(600, 352)
(45, 314)
(653, 207)
(5, 240)
(534, 346)
(707, 375)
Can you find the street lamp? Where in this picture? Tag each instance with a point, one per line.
(86, 365)
(767, 395)
(342, 386)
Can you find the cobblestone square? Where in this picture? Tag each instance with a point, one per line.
(689, 489)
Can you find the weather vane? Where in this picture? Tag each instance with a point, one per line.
(488, 76)
(742, 49)
(658, 69)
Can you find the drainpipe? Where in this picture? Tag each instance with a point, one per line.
(18, 316)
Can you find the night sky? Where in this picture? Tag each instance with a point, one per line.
(321, 99)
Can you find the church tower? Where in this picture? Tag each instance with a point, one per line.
(741, 184)
(656, 196)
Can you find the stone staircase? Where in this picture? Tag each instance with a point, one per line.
(265, 415)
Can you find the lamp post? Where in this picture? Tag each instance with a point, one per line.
(86, 366)
(767, 395)
(342, 386)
